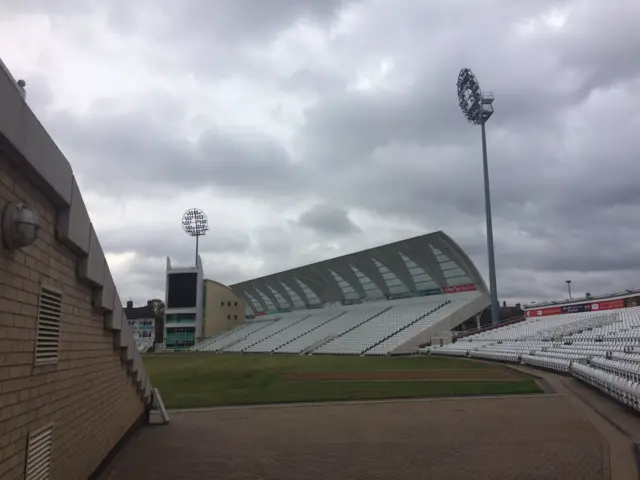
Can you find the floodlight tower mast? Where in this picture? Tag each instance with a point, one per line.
(477, 107)
(195, 224)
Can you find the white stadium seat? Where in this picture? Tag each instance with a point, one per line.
(379, 328)
(600, 348)
(373, 328)
(236, 335)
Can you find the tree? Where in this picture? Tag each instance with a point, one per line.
(158, 307)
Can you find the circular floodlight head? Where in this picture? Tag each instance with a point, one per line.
(194, 222)
(476, 106)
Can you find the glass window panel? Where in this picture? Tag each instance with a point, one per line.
(297, 301)
(448, 265)
(266, 299)
(426, 285)
(313, 298)
(464, 280)
(458, 272)
(421, 278)
(255, 302)
(281, 300)
(394, 282)
(374, 293)
(364, 280)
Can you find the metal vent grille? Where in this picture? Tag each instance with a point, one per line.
(39, 453)
(48, 336)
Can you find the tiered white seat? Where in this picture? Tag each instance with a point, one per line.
(296, 329)
(260, 335)
(445, 309)
(557, 364)
(378, 328)
(234, 335)
(333, 328)
(201, 346)
(600, 348)
(628, 357)
(316, 320)
(630, 370)
(623, 390)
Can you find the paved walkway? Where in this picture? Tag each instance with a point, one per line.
(527, 437)
(619, 426)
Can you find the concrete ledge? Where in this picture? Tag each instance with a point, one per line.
(91, 267)
(142, 380)
(138, 369)
(103, 297)
(73, 224)
(137, 360)
(25, 133)
(147, 389)
(141, 375)
(113, 320)
(130, 353)
(122, 337)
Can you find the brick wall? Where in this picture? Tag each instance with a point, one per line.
(223, 309)
(88, 394)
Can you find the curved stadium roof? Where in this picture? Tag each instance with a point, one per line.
(418, 266)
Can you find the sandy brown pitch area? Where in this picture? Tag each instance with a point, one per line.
(530, 437)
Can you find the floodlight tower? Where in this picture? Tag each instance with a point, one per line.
(195, 223)
(477, 107)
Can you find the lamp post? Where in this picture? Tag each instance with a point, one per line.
(568, 282)
(477, 107)
(195, 224)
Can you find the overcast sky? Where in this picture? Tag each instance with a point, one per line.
(306, 129)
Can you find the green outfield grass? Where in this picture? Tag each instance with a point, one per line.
(190, 380)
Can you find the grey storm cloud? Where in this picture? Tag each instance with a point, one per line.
(158, 241)
(247, 20)
(328, 220)
(562, 144)
(152, 154)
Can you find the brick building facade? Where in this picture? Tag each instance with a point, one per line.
(74, 402)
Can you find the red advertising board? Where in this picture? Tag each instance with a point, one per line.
(579, 307)
(469, 287)
(610, 305)
(543, 312)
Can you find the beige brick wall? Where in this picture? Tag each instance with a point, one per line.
(219, 315)
(88, 394)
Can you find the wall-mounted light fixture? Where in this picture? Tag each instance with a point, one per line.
(20, 226)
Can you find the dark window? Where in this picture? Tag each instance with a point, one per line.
(181, 317)
(222, 304)
(235, 304)
(182, 290)
(229, 304)
(235, 317)
(228, 317)
(180, 337)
